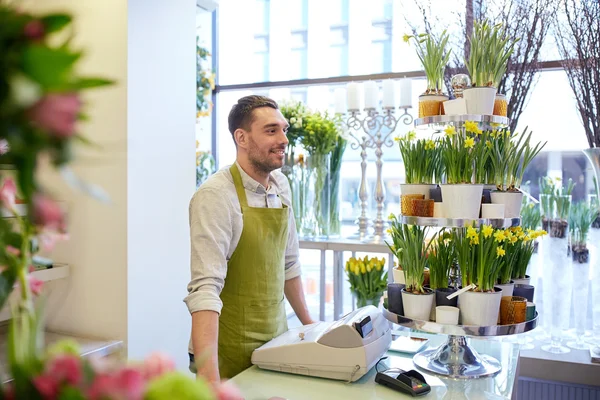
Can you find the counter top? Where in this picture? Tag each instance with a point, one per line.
(258, 384)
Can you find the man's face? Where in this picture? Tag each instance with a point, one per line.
(267, 140)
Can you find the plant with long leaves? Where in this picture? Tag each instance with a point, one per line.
(421, 159)
(434, 57)
(440, 259)
(582, 217)
(521, 249)
(458, 154)
(411, 249)
(531, 216)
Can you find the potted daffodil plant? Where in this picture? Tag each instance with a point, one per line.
(422, 164)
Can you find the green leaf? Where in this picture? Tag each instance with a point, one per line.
(51, 68)
(56, 22)
(89, 83)
(7, 282)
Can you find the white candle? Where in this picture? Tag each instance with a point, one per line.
(371, 94)
(340, 101)
(406, 93)
(353, 96)
(389, 94)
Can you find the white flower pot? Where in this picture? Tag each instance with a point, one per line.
(522, 281)
(507, 288)
(418, 306)
(480, 309)
(512, 202)
(409, 188)
(399, 276)
(492, 211)
(461, 200)
(480, 100)
(438, 210)
(455, 107)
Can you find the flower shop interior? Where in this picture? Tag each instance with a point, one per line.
(442, 157)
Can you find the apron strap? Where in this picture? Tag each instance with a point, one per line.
(239, 186)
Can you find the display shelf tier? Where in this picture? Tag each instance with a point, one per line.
(459, 222)
(447, 119)
(461, 330)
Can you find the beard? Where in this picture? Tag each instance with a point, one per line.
(261, 160)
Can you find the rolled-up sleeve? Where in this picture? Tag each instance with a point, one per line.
(292, 251)
(211, 231)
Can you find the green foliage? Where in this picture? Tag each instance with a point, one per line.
(422, 159)
(434, 58)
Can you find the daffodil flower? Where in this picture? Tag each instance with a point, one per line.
(450, 130)
(391, 216)
(499, 236)
(474, 240)
(429, 145)
(500, 252)
(406, 38)
(469, 143)
(487, 231)
(471, 232)
(410, 136)
(471, 126)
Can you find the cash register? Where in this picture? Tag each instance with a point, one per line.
(345, 349)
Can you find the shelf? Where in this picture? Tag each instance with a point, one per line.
(21, 211)
(445, 119)
(58, 271)
(461, 330)
(459, 222)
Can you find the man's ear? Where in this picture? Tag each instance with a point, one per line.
(241, 137)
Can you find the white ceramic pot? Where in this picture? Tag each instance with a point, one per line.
(446, 315)
(418, 306)
(480, 100)
(461, 200)
(409, 188)
(399, 276)
(480, 309)
(522, 281)
(507, 288)
(492, 211)
(455, 107)
(438, 210)
(512, 202)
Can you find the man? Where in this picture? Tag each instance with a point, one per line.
(244, 247)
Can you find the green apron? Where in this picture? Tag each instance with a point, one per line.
(253, 304)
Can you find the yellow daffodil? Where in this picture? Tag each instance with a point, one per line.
(469, 143)
(471, 232)
(488, 144)
(450, 130)
(487, 231)
(406, 38)
(389, 231)
(508, 234)
(500, 252)
(474, 240)
(391, 216)
(410, 136)
(363, 269)
(471, 126)
(514, 239)
(522, 236)
(429, 145)
(397, 139)
(495, 124)
(369, 267)
(499, 236)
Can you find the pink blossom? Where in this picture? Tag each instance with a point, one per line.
(57, 113)
(130, 383)
(4, 147)
(8, 193)
(157, 364)
(47, 386)
(228, 391)
(35, 285)
(47, 213)
(48, 239)
(34, 29)
(65, 368)
(13, 250)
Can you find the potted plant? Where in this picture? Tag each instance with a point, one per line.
(583, 217)
(368, 280)
(556, 202)
(411, 249)
(434, 57)
(422, 161)
(490, 51)
(510, 158)
(482, 253)
(460, 197)
(440, 260)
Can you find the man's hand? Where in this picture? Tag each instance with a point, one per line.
(295, 295)
(205, 339)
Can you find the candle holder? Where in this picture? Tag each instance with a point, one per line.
(373, 131)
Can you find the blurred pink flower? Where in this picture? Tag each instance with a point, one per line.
(127, 383)
(48, 239)
(47, 213)
(157, 364)
(13, 250)
(4, 147)
(34, 29)
(8, 192)
(228, 391)
(57, 113)
(47, 386)
(35, 285)
(65, 368)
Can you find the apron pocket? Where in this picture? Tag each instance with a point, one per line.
(263, 323)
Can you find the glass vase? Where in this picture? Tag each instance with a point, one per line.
(594, 239)
(363, 300)
(581, 273)
(335, 227)
(314, 195)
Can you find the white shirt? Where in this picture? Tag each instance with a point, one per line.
(216, 227)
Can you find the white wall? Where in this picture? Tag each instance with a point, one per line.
(130, 259)
(161, 175)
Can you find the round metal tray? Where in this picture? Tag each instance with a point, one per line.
(445, 119)
(461, 330)
(459, 222)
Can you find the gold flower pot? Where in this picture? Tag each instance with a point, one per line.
(431, 104)
(500, 105)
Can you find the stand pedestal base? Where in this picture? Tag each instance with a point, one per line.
(456, 359)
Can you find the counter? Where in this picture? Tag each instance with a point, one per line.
(257, 384)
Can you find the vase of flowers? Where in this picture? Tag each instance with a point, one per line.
(460, 197)
(408, 245)
(434, 57)
(368, 280)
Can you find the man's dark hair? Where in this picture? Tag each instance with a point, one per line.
(241, 116)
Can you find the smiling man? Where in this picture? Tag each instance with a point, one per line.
(244, 246)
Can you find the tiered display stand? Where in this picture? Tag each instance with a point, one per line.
(455, 358)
